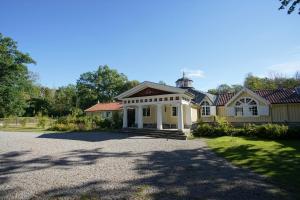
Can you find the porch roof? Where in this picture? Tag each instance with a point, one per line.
(157, 86)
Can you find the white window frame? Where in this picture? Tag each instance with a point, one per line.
(205, 106)
(147, 113)
(176, 111)
(246, 107)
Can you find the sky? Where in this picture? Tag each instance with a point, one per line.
(214, 42)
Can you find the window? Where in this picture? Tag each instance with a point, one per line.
(177, 98)
(137, 101)
(253, 110)
(171, 98)
(108, 114)
(125, 102)
(174, 111)
(239, 111)
(160, 99)
(155, 99)
(246, 107)
(166, 99)
(150, 100)
(205, 108)
(146, 112)
(141, 101)
(146, 100)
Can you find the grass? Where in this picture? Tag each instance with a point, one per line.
(279, 160)
(22, 129)
(40, 130)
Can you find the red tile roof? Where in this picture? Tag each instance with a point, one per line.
(105, 107)
(278, 96)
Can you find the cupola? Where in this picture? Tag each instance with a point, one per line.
(184, 82)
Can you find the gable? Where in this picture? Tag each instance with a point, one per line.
(156, 89)
(247, 93)
(150, 92)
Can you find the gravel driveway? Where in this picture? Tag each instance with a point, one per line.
(117, 166)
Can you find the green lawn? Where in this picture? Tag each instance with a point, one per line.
(278, 160)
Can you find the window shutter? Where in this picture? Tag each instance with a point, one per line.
(213, 110)
(230, 111)
(263, 110)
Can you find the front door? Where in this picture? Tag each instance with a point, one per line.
(131, 117)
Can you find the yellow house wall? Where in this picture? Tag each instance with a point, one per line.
(278, 113)
(194, 114)
(167, 117)
(294, 112)
(221, 112)
(285, 112)
(152, 118)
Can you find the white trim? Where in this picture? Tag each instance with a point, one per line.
(206, 99)
(249, 92)
(183, 99)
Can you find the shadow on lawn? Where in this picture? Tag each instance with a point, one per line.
(179, 174)
(281, 162)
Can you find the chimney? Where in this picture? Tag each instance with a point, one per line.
(297, 89)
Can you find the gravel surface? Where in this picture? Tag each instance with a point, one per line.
(120, 166)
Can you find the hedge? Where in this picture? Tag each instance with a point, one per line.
(266, 131)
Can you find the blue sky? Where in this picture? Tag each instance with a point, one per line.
(213, 41)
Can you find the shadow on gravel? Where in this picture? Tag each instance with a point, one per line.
(86, 136)
(180, 174)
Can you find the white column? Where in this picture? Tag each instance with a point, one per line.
(180, 117)
(125, 117)
(136, 115)
(188, 115)
(140, 116)
(159, 117)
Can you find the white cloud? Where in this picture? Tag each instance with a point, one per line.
(288, 68)
(197, 73)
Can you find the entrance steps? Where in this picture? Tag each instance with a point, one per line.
(168, 134)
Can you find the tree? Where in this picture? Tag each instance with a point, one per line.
(101, 85)
(290, 5)
(277, 81)
(224, 88)
(162, 83)
(15, 79)
(65, 100)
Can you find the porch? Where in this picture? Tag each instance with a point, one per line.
(159, 116)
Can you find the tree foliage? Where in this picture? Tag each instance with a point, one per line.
(15, 79)
(101, 85)
(224, 88)
(291, 5)
(256, 83)
(278, 81)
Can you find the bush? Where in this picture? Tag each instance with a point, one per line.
(42, 121)
(204, 129)
(23, 122)
(294, 132)
(83, 123)
(63, 127)
(267, 131)
(117, 120)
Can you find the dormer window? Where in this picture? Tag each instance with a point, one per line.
(205, 108)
